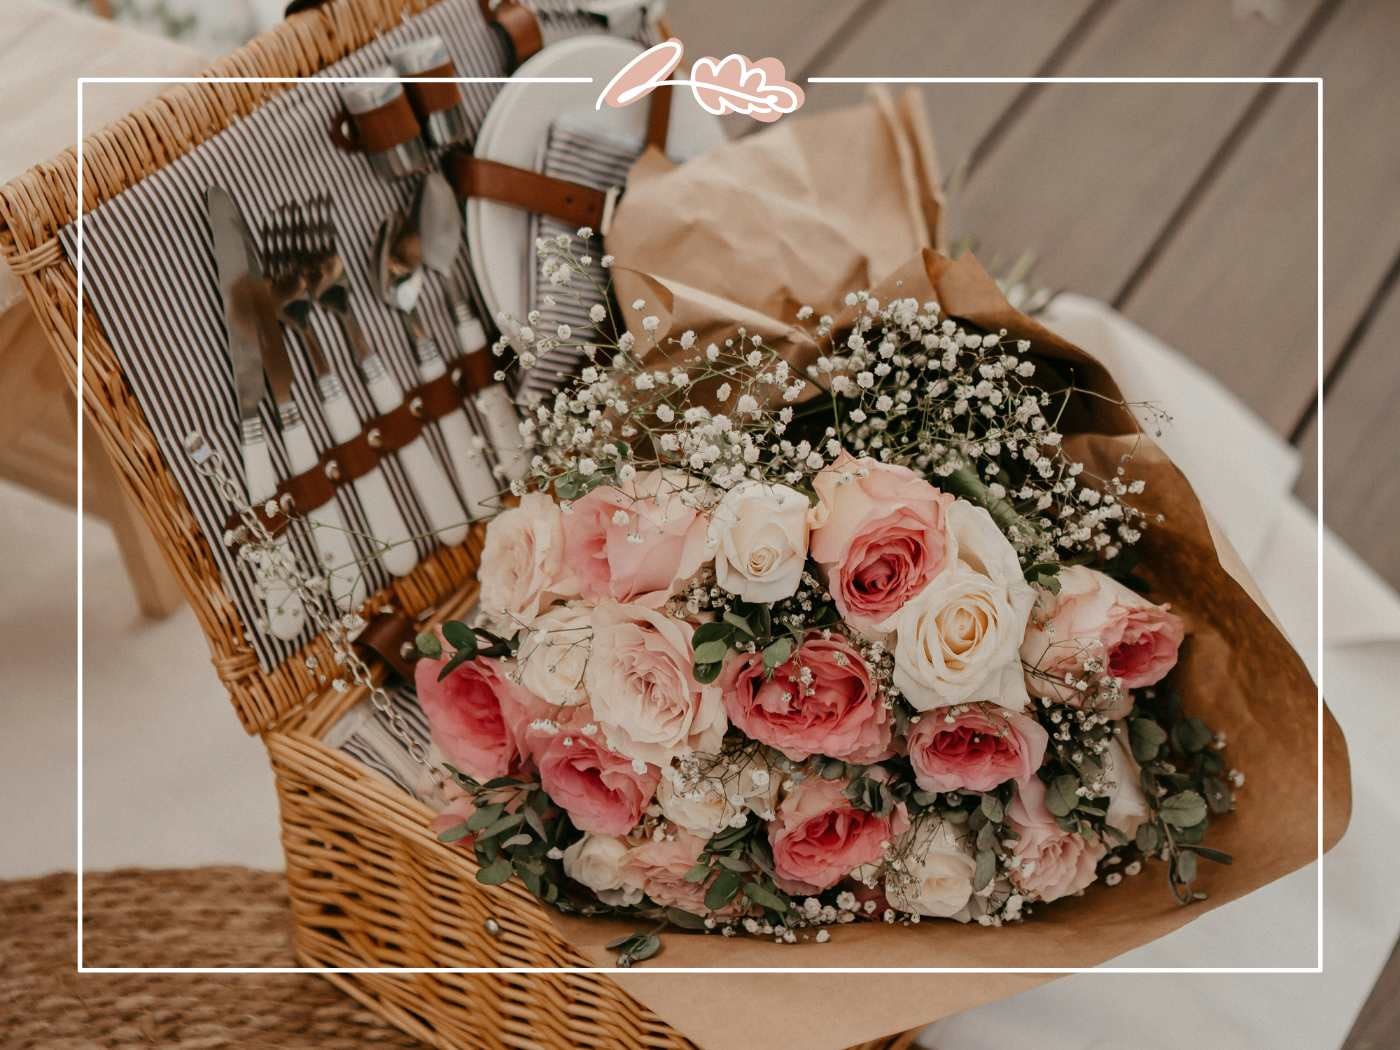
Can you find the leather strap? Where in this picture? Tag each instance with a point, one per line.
(517, 24)
(573, 202)
(434, 98)
(377, 130)
(439, 398)
(478, 371)
(659, 117)
(389, 636)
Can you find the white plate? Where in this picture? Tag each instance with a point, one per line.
(516, 128)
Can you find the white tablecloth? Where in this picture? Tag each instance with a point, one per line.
(1214, 439)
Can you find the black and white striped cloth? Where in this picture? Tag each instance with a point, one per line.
(366, 737)
(149, 272)
(596, 160)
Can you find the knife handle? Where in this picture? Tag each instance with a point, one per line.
(281, 603)
(386, 523)
(430, 481)
(471, 337)
(474, 478)
(503, 428)
(339, 562)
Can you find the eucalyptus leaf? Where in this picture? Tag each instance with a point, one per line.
(723, 890)
(459, 636)
(505, 823)
(684, 919)
(1219, 856)
(699, 873)
(1061, 796)
(717, 630)
(986, 870)
(1146, 738)
(1218, 796)
(992, 807)
(485, 816)
(764, 897)
(645, 947)
(1183, 810)
(428, 644)
(711, 652)
(458, 659)
(1149, 838)
(455, 833)
(495, 873)
(707, 673)
(778, 652)
(1186, 867)
(1191, 736)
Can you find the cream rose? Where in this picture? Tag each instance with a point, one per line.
(959, 639)
(643, 688)
(1127, 805)
(708, 804)
(596, 862)
(937, 877)
(554, 655)
(759, 534)
(522, 566)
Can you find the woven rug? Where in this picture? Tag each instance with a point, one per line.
(197, 917)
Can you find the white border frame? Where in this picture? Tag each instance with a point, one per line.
(81, 968)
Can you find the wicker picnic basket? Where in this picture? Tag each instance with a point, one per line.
(369, 883)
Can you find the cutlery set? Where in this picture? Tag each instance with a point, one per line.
(275, 289)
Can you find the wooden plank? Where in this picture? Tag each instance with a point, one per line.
(949, 38)
(1089, 174)
(1249, 248)
(795, 33)
(1235, 289)
(1362, 432)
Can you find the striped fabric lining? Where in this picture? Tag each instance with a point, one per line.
(594, 160)
(150, 276)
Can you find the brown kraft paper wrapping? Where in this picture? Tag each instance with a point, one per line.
(804, 213)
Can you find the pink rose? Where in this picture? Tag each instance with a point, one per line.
(975, 748)
(820, 837)
(636, 542)
(478, 716)
(1051, 862)
(880, 533)
(821, 702)
(600, 790)
(641, 679)
(1096, 617)
(522, 563)
(658, 868)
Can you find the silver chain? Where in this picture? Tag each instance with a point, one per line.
(336, 628)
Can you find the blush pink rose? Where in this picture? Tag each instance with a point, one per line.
(600, 790)
(880, 533)
(1096, 617)
(1052, 862)
(478, 716)
(823, 701)
(658, 868)
(975, 748)
(820, 837)
(522, 563)
(638, 541)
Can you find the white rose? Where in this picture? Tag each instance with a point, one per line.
(709, 804)
(522, 563)
(1127, 805)
(937, 877)
(554, 655)
(959, 638)
(642, 686)
(596, 862)
(759, 534)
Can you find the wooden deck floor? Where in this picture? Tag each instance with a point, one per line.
(1190, 208)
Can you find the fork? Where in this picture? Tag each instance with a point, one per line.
(330, 289)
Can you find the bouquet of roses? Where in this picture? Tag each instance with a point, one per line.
(767, 647)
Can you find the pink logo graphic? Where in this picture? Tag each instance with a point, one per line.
(735, 84)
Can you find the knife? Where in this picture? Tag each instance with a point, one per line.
(439, 222)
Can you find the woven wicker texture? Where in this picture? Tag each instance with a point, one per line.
(202, 917)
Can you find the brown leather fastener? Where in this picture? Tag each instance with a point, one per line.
(659, 117)
(519, 26)
(307, 491)
(439, 397)
(398, 429)
(389, 636)
(573, 202)
(478, 372)
(434, 98)
(377, 130)
(354, 458)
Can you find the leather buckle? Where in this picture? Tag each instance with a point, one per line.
(625, 18)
